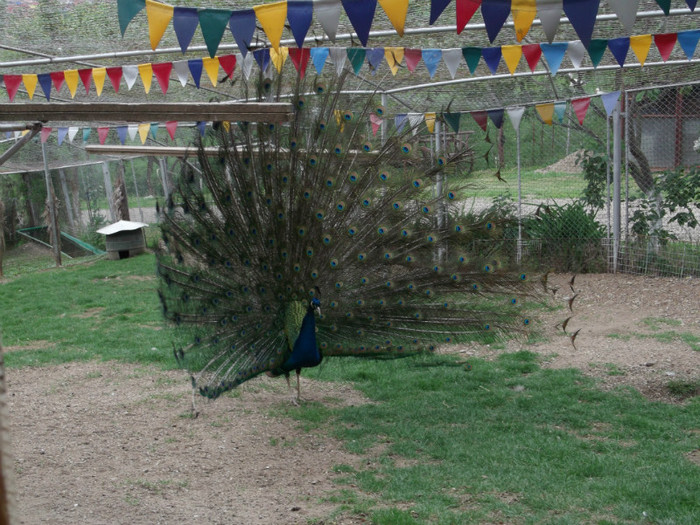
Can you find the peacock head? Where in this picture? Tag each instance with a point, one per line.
(315, 305)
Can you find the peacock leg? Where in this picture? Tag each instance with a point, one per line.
(298, 385)
(289, 389)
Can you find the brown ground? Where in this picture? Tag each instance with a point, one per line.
(107, 443)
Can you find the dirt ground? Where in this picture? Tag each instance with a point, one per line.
(107, 443)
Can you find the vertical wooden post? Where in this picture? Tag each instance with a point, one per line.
(136, 189)
(66, 197)
(108, 190)
(52, 208)
(164, 177)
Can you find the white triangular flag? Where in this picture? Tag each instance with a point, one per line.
(414, 119)
(576, 52)
(182, 70)
(515, 114)
(452, 59)
(130, 74)
(338, 56)
(550, 12)
(72, 132)
(246, 63)
(132, 130)
(327, 12)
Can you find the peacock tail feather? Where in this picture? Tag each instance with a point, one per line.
(318, 208)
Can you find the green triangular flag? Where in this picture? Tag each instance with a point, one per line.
(356, 55)
(453, 120)
(213, 23)
(596, 49)
(665, 5)
(472, 55)
(127, 10)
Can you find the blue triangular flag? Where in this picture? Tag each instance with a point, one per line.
(431, 58)
(299, 16)
(582, 14)
(121, 133)
(86, 134)
(496, 116)
(400, 121)
(62, 132)
(45, 83)
(436, 9)
(619, 48)
(319, 55)
(374, 58)
(559, 111)
(554, 54)
(185, 22)
(495, 13)
(154, 130)
(201, 126)
(262, 57)
(688, 41)
(242, 26)
(610, 101)
(492, 57)
(195, 65)
(692, 4)
(361, 14)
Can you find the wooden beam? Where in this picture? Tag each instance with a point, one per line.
(147, 112)
(153, 151)
(18, 145)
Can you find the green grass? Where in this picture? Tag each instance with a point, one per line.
(498, 441)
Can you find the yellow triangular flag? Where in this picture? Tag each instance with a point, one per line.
(511, 56)
(146, 72)
(211, 66)
(394, 57)
(396, 12)
(546, 112)
(524, 12)
(25, 132)
(641, 44)
(98, 77)
(227, 125)
(71, 77)
(278, 57)
(30, 82)
(430, 121)
(159, 16)
(143, 132)
(271, 18)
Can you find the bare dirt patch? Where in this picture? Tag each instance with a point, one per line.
(104, 443)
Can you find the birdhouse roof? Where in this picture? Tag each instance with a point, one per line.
(121, 226)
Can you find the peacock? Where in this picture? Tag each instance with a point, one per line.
(314, 238)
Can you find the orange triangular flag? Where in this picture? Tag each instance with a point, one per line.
(146, 73)
(71, 77)
(546, 112)
(98, 77)
(511, 56)
(159, 16)
(211, 66)
(641, 44)
(271, 18)
(394, 57)
(430, 121)
(396, 12)
(30, 82)
(524, 12)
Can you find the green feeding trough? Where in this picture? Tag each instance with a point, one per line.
(70, 246)
(124, 239)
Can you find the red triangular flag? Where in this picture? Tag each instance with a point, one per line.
(300, 58)
(412, 57)
(45, 132)
(171, 126)
(580, 106)
(12, 83)
(162, 72)
(86, 77)
(532, 53)
(228, 64)
(115, 77)
(57, 77)
(664, 43)
(481, 118)
(465, 12)
(102, 133)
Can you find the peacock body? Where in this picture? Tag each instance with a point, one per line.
(291, 216)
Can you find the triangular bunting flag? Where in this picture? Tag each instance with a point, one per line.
(144, 129)
(242, 26)
(524, 12)
(580, 106)
(338, 56)
(596, 49)
(57, 78)
(692, 4)
(560, 111)
(626, 11)
(582, 15)
(211, 66)
(85, 77)
(86, 134)
(130, 74)
(400, 121)
(45, 83)
(171, 126)
(182, 70)
(550, 12)
(452, 59)
(492, 57)
(453, 120)
(688, 40)
(431, 59)
(465, 12)
(127, 10)
(515, 115)
(62, 132)
(121, 133)
(665, 5)
(159, 16)
(376, 123)
(496, 116)
(72, 132)
(374, 58)
(394, 57)
(481, 118)
(185, 22)
(45, 132)
(356, 56)
(554, 54)
(228, 64)
(162, 72)
(546, 112)
(610, 101)
(396, 11)
(201, 126)
(146, 74)
(300, 58)
(576, 53)
(533, 53)
(511, 56)
(278, 57)
(361, 14)
(99, 74)
(664, 43)
(72, 79)
(196, 66)
(262, 57)
(132, 129)
(102, 133)
(299, 13)
(495, 13)
(327, 13)
(154, 130)
(619, 48)
(213, 22)
(430, 121)
(471, 55)
(319, 55)
(412, 57)
(414, 120)
(436, 9)
(271, 18)
(247, 63)
(641, 44)
(30, 81)
(115, 77)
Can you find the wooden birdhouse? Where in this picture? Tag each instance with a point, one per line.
(124, 239)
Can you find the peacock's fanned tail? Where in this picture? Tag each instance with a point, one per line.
(313, 207)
